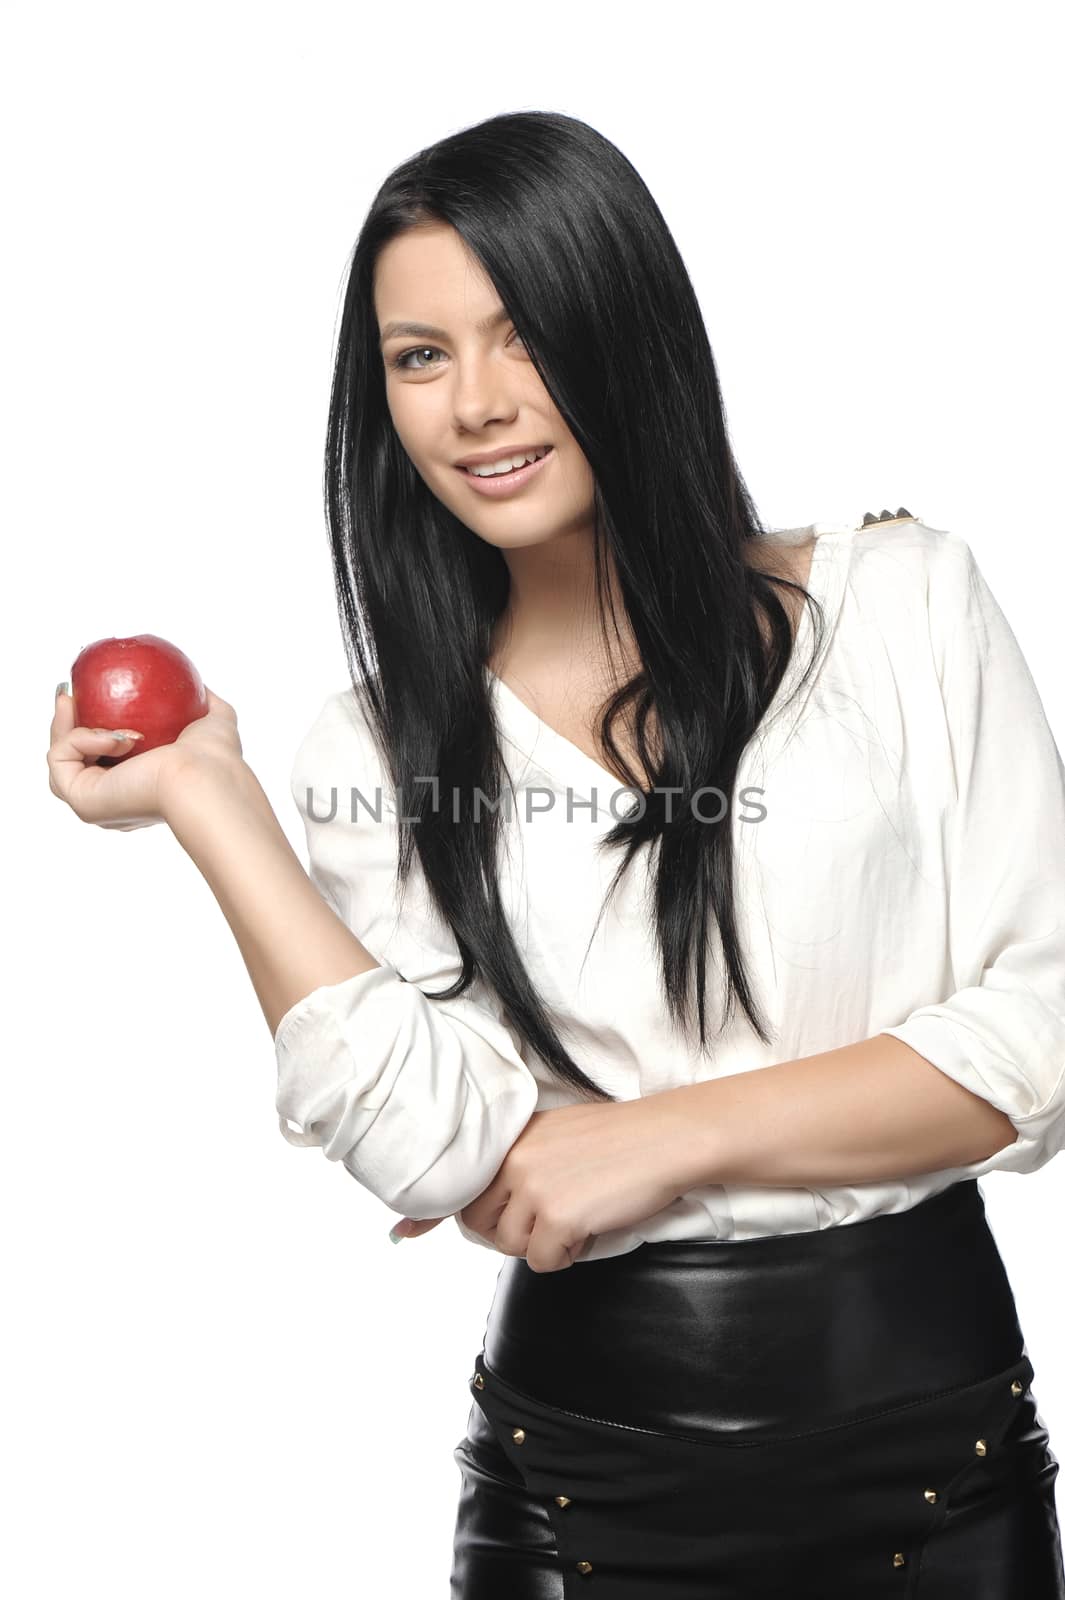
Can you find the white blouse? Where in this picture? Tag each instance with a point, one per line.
(901, 871)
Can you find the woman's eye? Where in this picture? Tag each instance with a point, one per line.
(403, 360)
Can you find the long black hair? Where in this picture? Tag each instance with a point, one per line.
(595, 286)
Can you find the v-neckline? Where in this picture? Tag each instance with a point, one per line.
(568, 763)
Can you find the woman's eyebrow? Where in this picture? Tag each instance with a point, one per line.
(426, 330)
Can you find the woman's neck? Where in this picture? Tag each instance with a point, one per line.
(550, 625)
(551, 620)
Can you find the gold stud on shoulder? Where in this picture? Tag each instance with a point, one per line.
(562, 1500)
(930, 1496)
(898, 1559)
(981, 1447)
(901, 515)
(584, 1566)
(1016, 1388)
(478, 1380)
(518, 1435)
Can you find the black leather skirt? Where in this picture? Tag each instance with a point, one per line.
(842, 1414)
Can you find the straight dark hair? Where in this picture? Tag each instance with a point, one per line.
(593, 282)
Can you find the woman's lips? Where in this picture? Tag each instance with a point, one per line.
(502, 484)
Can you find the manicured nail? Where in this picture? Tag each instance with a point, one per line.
(62, 688)
(125, 733)
(396, 1238)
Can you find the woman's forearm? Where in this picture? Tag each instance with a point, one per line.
(291, 941)
(864, 1113)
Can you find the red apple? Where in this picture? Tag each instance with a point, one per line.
(144, 683)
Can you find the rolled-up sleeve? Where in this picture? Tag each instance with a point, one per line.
(1001, 1033)
(420, 1099)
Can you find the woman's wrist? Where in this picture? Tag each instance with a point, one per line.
(194, 786)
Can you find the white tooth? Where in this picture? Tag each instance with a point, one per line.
(496, 468)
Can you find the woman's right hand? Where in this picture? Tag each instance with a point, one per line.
(130, 794)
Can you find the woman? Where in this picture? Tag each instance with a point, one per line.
(612, 754)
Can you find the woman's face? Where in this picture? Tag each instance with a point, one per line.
(464, 386)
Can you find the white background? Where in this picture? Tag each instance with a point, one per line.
(220, 1376)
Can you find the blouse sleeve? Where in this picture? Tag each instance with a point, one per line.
(1001, 1033)
(419, 1099)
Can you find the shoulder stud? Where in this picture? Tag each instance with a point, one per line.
(901, 515)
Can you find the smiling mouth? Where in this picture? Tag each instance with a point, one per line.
(510, 470)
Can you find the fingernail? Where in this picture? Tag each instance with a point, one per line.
(124, 733)
(62, 688)
(396, 1238)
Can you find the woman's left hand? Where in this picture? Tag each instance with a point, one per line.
(574, 1172)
